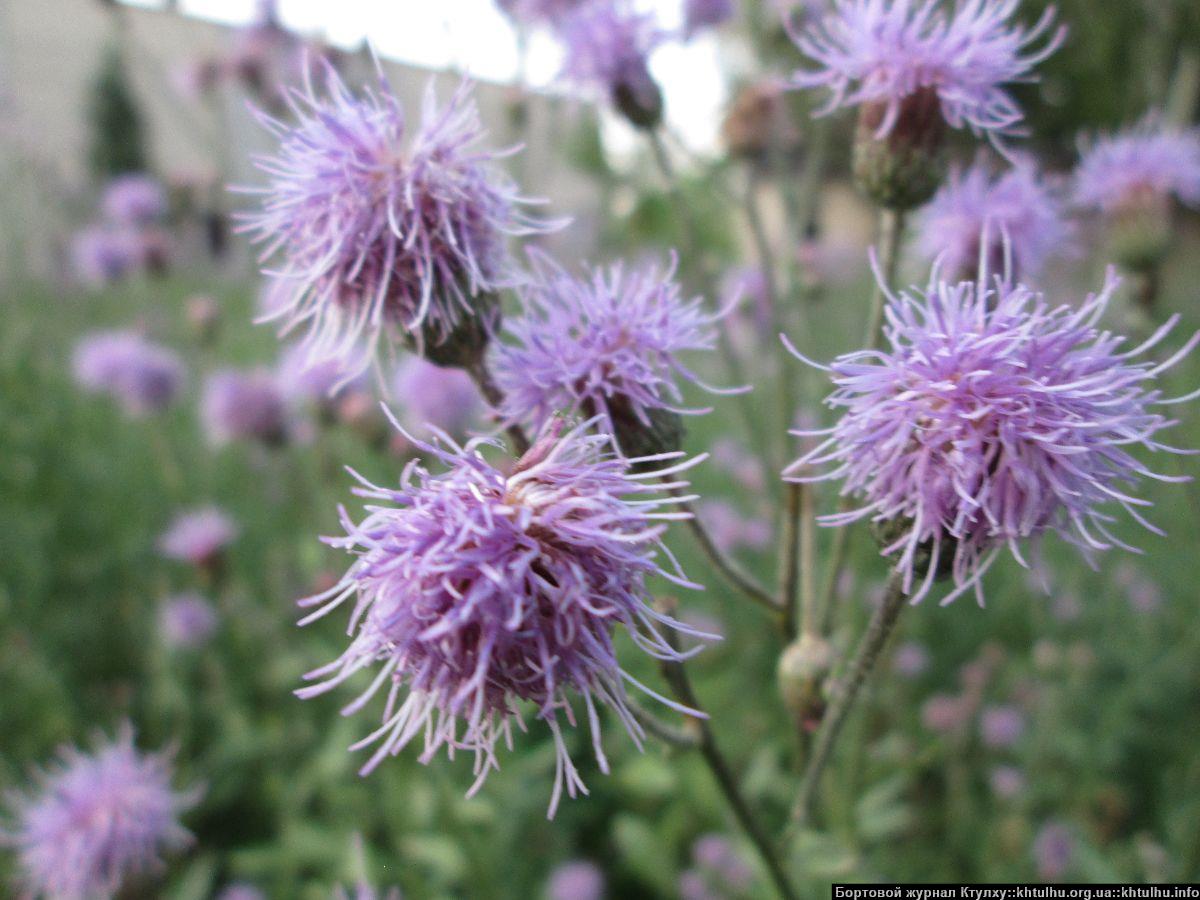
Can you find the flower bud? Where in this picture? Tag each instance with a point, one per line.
(758, 121)
(903, 168)
(803, 668)
(663, 434)
(639, 99)
(203, 318)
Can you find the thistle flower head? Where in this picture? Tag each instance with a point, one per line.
(197, 536)
(535, 12)
(608, 45)
(576, 880)
(244, 405)
(606, 345)
(479, 590)
(96, 820)
(991, 418)
(135, 199)
(101, 254)
(143, 377)
(186, 621)
(380, 227)
(881, 53)
(1013, 220)
(1148, 159)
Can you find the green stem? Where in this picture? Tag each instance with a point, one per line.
(790, 555)
(494, 396)
(677, 677)
(883, 621)
(730, 570)
(891, 234)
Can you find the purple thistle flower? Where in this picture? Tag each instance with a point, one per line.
(135, 200)
(533, 12)
(302, 378)
(991, 418)
(1052, 851)
(186, 621)
(700, 15)
(241, 891)
(101, 255)
(197, 536)
(945, 713)
(1149, 159)
(244, 405)
(1007, 782)
(608, 45)
(911, 660)
(1001, 726)
(433, 395)
(478, 590)
(95, 820)
(576, 880)
(607, 346)
(383, 228)
(143, 377)
(719, 856)
(1015, 218)
(882, 52)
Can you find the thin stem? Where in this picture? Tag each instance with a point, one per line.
(681, 738)
(808, 559)
(494, 396)
(891, 234)
(785, 392)
(789, 564)
(677, 677)
(730, 570)
(733, 363)
(883, 621)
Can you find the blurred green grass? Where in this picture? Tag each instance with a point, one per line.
(84, 493)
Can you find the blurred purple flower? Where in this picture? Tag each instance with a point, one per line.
(479, 590)
(533, 12)
(303, 378)
(186, 621)
(1052, 851)
(736, 459)
(576, 880)
(911, 660)
(1007, 782)
(608, 45)
(718, 856)
(197, 536)
(143, 377)
(95, 820)
(945, 713)
(101, 254)
(989, 419)
(365, 891)
(700, 15)
(606, 346)
(244, 405)
(694, 886)
(1001, 726)
(380, 227)
(882, 52)
(1066, 606)
(136, 200)
(731, 530)
(241, 891)
(1015, 213)
(1150, 158)
(433, 395)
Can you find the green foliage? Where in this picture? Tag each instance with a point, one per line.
(117, 140)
